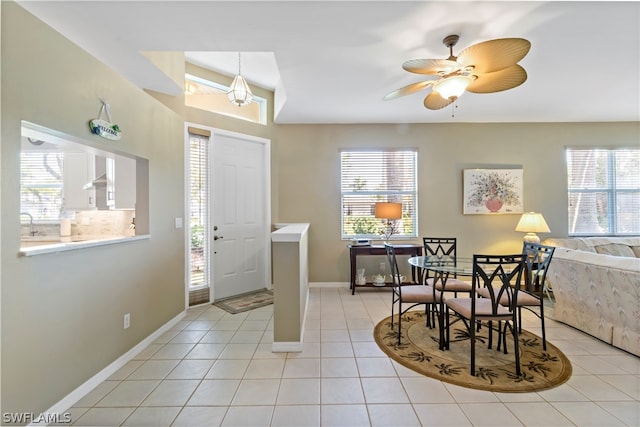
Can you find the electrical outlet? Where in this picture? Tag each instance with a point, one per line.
(127, 321)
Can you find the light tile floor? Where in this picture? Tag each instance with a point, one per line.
(217, 369)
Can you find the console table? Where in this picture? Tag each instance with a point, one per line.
(402, 249)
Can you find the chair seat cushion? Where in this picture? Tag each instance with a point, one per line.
(419, 293)
(451, 285)
(524, 299)
(462, 306)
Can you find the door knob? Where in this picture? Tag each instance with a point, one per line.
(216, 237)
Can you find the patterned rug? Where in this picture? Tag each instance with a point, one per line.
(245, 302)
(495, 371)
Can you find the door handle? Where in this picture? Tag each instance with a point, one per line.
(216, 237)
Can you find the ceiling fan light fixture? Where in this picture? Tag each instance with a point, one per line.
(452, 87)
(239, 92)
(486, 67)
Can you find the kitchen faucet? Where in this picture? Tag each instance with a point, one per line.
(32, 232)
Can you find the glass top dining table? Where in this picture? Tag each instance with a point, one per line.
(444, 264)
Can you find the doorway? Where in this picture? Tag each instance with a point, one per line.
(235, 228)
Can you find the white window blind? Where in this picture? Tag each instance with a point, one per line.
(41, 182)
(198, 210)
(380, 175)
(604, 191)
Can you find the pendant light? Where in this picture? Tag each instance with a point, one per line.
(239, 92)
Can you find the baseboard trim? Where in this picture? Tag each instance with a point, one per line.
(77, 394)
(287, 347)
(329, 284)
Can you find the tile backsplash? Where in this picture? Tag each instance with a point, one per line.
(113, 223)
(89, 225)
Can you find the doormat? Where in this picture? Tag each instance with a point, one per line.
(246, 302)
(495, 371)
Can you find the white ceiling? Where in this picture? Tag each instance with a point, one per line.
(333, 61)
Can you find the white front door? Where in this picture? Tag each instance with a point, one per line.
(240, 218)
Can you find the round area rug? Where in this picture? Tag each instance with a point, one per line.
(495, 371)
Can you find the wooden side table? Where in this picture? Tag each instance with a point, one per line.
(401, 249)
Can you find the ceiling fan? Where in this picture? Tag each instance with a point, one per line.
(485, 67)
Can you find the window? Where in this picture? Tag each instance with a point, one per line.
(211, 96)
(370, 176)
(604, 191)
(199, 211)
(41, 180)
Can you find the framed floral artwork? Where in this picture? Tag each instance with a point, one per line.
(492, 191)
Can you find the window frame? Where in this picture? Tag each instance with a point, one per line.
(611, 189)
(408, 212)
(198, 152)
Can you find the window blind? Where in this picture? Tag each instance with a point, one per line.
(198, 210)
(370, 176)
(41, 184)
(604, 191)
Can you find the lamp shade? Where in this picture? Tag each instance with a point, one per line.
(532, 222)
(452, 87)
(388, 210)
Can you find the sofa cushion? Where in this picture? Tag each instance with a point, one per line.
(636, 251)
(616, 249)
(569, 243)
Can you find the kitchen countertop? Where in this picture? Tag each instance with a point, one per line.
(45, 245)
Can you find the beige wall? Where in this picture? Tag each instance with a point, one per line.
(309, 179)
(62, 314)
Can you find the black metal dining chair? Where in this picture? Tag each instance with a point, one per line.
(531, 297)
(407, 293)
(501, 276)
(536, 260)
(445, 248)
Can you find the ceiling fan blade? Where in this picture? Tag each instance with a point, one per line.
(431, 66)
(409, 89)
(498, 81)
(434, 101)
(494, 55)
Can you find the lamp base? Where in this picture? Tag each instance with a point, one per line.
(531, 238)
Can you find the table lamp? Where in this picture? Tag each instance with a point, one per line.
(532, 223)
(389, 211)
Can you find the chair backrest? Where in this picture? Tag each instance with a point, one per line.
(501, 275)
(537, 258)
(440, 246)
(393, 263)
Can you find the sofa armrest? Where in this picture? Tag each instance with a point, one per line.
(599, 294)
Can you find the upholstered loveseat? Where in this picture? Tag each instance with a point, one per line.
(596, 285)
